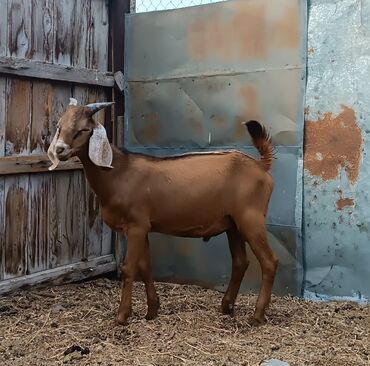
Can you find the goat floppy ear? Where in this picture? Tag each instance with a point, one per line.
(51, 151)
(100, 151)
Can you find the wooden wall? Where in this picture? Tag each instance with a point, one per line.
(50, 50)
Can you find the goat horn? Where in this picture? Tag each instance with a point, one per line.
(95, 107)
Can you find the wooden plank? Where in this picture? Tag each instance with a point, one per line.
(3, 28)
(98, 36)
(3, 83)
(38, 223)
(70, 218)
(2, 227)
(42, 114)
(117, 11)
(71, 19)
(2, 179)
(33, 164)
(62, 275)
(17, 129)
(107, 240)
(42, 30)
(19, 28)
(16, 208)
(49, 71)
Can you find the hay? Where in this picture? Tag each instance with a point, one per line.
(74, 325)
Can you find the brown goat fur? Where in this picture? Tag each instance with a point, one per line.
(194, 195)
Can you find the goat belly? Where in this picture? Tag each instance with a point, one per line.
(196, 231)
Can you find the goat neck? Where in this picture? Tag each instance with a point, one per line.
(101, 179)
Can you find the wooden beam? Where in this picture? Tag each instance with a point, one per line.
(117, 11)
(49, 71)
(62, 275)
(33, 164)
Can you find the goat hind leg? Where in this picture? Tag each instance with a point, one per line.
(253, 229)
(147, 277)
(240, 264)
(135, 249)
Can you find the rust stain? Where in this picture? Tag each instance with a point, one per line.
(196, 126)
(344, 202)
(243, 35)
(284, 33)
(306, 111)
(249, 102)
(333, 143)
(184, 249)
(311, 51)
(219, 121)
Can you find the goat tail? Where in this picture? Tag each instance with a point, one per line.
(262, 142)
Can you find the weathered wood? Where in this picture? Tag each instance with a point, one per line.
(117, 11)
(41, 117)
(98, 35)
(71, 232)
(72, 18)
(3, 28)
(38, 222)
(49, 71)
(120, 131)
(33, 164)
(2, 227)
(107, 240)
(16, 214)
(2, 179)
(42, 30)
(61, 275)
(3, 83)
(17, 130)
(19, 28)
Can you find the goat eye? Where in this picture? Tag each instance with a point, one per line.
(79, 132)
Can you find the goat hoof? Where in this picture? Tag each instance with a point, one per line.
(257, 321)
(151, 315)
(152, 310)
(121, 319)
(228, 309)
(120, 322)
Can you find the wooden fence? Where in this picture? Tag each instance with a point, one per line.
(50, 223)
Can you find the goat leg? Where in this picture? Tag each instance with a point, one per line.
(147, 277)
(253, 228)
(136, 239)
(240, 264)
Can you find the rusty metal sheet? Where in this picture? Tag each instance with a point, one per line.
(233, 36)
(336, 176)
(191, 77)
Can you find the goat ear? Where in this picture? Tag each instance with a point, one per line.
(51, 151)
(100, 151)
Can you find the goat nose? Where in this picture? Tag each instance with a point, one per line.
(59, 149)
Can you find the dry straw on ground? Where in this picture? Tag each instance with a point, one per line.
(73, 325)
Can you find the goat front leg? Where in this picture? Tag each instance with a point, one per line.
(136, 239)
(147, 277)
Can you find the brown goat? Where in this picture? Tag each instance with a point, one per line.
(197, 195)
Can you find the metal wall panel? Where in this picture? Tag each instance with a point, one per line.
(336, 178)
(192, 76)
